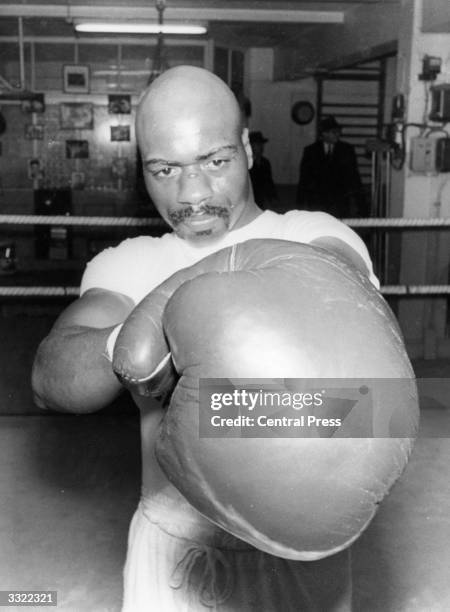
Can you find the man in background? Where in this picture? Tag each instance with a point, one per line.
(329, 178)
(264, 189)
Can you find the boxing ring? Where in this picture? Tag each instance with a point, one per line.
(72, 481)
(91, 221)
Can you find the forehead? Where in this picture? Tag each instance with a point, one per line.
(187, 135)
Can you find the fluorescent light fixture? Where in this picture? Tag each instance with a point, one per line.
(123, 27)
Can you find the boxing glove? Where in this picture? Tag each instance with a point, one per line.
(141, 357)
(269, 309)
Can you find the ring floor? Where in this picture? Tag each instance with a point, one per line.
(69, 485)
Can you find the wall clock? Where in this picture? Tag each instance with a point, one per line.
(302, 112)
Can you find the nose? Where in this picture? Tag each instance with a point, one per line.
(194, 186)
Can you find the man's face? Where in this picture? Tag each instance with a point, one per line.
(257, 148)
(331, 136)
(196, 172)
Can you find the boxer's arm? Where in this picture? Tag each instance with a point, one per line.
(343, 250)
(325, 231)
(71, 371)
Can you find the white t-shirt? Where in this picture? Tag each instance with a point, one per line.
(138, 265)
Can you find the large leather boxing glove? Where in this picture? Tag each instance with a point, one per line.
(141, 358)
(276, 309)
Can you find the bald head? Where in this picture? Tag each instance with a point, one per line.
(195, 153)
(187, 92)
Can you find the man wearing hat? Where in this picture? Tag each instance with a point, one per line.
(329, 176)
(264, 189)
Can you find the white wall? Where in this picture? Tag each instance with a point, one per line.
(425, 255)
(365, 27)
(436, 16)
(272, 102)
(271, 114)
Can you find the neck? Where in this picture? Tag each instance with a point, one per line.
(249, 214)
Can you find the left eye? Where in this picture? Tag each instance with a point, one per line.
(216, 164)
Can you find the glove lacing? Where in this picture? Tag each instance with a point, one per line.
(208, 591)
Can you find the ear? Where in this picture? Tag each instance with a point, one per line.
(247, 146)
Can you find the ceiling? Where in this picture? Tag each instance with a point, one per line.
(241, 23)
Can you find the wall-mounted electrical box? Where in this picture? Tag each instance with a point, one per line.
(423, 155)
(440, 103)
(430, 155)
(431, 67)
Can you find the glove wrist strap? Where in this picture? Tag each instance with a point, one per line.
(111, 341)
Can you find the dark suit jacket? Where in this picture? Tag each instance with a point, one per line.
(329, 183)
(264, 188)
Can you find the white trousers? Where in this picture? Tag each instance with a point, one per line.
(176, 564)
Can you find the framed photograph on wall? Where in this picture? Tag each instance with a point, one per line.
(35, 169)
(119, 104)
(75, 78)
(34, 131)
(35, 104)
(77, 180)
(77, 149)
(119, 167)
(120, 133)
(76, 116)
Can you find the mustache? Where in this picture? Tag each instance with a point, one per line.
(178, 216)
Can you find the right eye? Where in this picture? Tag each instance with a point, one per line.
(165, 172)
(161, 171)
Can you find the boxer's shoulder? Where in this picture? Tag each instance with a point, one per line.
(308, 219)
(133, 267)
(140, 245)
(126, 251)
(320, 228)
(303, 225)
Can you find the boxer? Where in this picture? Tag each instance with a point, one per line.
(196, 156)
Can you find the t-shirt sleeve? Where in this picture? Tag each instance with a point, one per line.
(129, 269)
(305, 227)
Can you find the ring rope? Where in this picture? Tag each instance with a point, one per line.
(374, 222)
(399, 222)
(39, 291)
(142, 222)
(415, 290)
(74, 291)
(68, 220)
